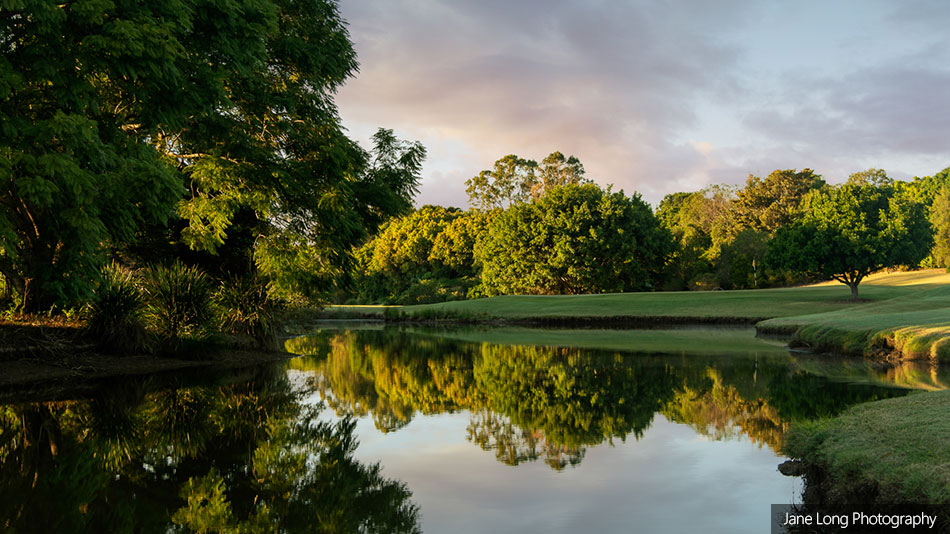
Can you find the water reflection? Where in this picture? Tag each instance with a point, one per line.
(246, 455)
(529, 403)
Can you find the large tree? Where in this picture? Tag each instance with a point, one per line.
(83, 86)
(848, 232)
(574, 239)
(113, 112)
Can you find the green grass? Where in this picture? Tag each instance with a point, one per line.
(895, 448)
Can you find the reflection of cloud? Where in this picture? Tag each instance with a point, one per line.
(651, 96)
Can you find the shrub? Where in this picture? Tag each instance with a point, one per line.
(178, 302)
(115, 312)
(245, 308)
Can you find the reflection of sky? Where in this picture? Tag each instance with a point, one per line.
(671, 480)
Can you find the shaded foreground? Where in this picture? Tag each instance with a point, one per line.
(233, 453)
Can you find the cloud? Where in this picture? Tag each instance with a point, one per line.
(651, 96)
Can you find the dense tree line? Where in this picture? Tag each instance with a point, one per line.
(573, 236)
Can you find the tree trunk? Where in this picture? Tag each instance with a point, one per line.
(854, 290)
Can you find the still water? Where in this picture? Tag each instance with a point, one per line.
(473, 430)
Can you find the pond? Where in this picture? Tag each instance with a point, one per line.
(456, 430)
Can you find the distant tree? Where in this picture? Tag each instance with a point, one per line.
(555, 171)
(399, 255)
(574, 239)
(875, 177)
(509, 182)
(767, 204)
(514, 180)
(848, 232)
(700, 222)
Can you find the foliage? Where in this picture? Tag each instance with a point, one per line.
(305, 251)
(400, 255)
(454, 247)
(515, 180)
(116, 312)
(850, 231)
(575, 239)
(693, 219)
(178, 302)
(426, 256)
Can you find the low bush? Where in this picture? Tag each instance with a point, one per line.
(178, 302)
(115, 312)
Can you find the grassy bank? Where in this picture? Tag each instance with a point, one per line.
(887, 451)
(915, 325)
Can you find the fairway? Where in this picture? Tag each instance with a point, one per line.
(752, 304)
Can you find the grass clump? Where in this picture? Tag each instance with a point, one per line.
(115, 312)
(178, 304)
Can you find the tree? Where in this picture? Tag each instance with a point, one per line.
(850, 231)
(515, 180)
(454, 247)
(875, 177)
(556, 171)
(509, 182)
(109, 109)
(700, 222)
(81, 91)
(766, 205)
(574, 239)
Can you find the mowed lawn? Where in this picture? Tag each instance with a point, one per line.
(914, 287)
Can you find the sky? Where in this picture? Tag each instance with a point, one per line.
(654, 96)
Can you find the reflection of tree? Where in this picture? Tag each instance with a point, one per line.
(244, 456)
(393, 376)
(574, 397)
(513, 445)
(718, 411)
(530, 402)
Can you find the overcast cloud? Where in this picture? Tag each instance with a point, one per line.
(655, 97)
